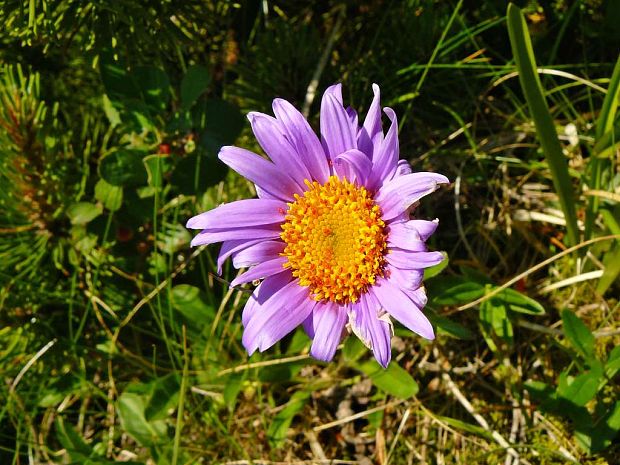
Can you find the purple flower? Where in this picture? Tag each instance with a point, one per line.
(330, 234)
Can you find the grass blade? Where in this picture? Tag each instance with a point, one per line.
(606, 118)
(532, 88)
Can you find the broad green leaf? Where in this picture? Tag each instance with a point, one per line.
(195, 173)
(393, 380)
(578, 334)
(494, 316)
(353, 349)
(436, 269)
(581, 389)
(447, 326)
(611, 261)
(118, 83)
(545, 129)
(111, 196)
(123, 168)
(280, 424)
(194, 84)
(222, 121)
(232, 389)
(163, 397)
(612, 366)
(157, 166)
(454, 290)
(518, 302)
(82, 213)
(154, 86)
(130, 407)
(192, 304)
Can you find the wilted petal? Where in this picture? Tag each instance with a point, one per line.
(373, 331)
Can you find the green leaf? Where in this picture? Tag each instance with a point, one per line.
(436, 269)
(545, 129)
(111, 196)
(581, 389)
(607, 116)
(76, 447)
(130, 407)
(82, 213)
(156, 167)
(280, 424)
(123, 168)
(191, 303)
(494, 316)
(222, 121)
(393, 380)
(154, 86)
(449, 327)
(118, 83)
(470, 428)
(578, 334)
(612, 366)
(521, 303)
(164, 397)
(195, 173)
(353, 349)
(194, 84)
(612, 268)
(454, 290)
(232, 389)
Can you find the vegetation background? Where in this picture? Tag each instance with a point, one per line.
(119, 343)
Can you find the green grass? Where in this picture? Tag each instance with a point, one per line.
(120, 343)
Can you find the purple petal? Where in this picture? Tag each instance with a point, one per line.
(336, 130)
(425, 228)
(278, 315)
(397, 195)
(406, 260)
(269, 135)
(400, 306)
(303, 138)
(261, 172)
(329, 320)
(405, 236)
(258, 253)
(230, 247)
(211, 236)
(372, 122)
(263, 270)
(385, 160)
(308, 325)
(405, 279)
(402, 168)
(352, 114)
(336, 91)
(374, 332)
(241, 213)
(353, 165)
(263, 292)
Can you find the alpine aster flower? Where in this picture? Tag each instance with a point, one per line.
(330, 234)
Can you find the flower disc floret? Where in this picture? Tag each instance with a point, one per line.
(335, 240)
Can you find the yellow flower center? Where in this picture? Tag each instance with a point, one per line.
(335, 240)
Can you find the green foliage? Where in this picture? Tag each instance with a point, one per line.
(120, 344)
